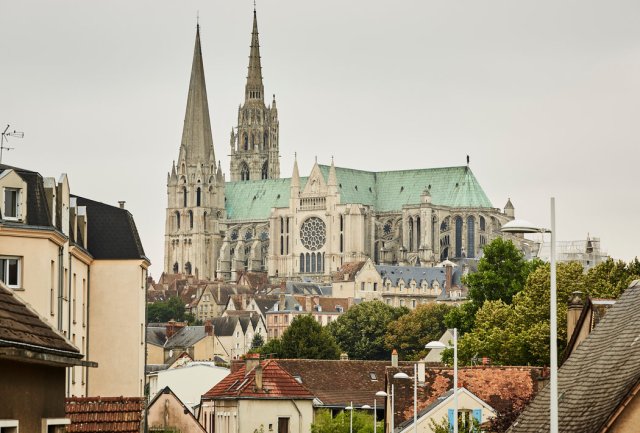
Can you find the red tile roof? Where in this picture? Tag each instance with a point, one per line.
(276, 384)
(104, 414)
(499, 387)
(348, 271)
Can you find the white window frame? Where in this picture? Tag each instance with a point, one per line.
(47, 422)
(6, 271)
(18, 208)
(9, 426)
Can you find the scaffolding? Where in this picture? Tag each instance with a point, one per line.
(586, 252)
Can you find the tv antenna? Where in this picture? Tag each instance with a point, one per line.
(5, 138)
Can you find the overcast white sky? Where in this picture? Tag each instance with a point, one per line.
(543, 95)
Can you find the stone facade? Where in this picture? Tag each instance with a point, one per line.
(308, 227)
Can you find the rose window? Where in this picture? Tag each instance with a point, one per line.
(313, 233)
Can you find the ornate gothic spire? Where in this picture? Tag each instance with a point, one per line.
(197, 142)
(254, 88)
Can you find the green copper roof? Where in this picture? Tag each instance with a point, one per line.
(385, 191)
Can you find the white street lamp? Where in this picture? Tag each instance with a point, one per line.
(439, 345)
(350, 407)
(375, 409)
(521, 226)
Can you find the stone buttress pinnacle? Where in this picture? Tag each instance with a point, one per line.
(197, 140)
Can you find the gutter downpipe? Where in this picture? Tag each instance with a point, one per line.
(144, 371)
(299, 415)
(60, 288)
(88, 328)
(69, 371)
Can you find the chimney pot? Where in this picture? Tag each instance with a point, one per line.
(394, 358)
(121, 203)
(259, 377)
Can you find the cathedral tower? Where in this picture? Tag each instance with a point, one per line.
(195, 188)
(254, 145)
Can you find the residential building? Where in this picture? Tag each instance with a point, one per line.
(598, 384)
(471, 409)
(324, 310)
(188, 382)
(33, 361)
(259, 396)
(77, 262)
(105, 414)
(307, 227)
(500, 388)
(167, 413)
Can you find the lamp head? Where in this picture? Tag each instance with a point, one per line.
(381, 394)
(435, 345)
(401, 375)
(522, 226)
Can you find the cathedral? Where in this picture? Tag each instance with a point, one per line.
(306, 227)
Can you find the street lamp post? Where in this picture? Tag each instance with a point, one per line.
(375, 409)
(402, 375)
(521, 226)
(350, 408)
(439, 345)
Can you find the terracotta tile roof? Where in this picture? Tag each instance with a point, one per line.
(349, 269)
(19, 324)
(104, 414)
(337, 383)
(499, 387)
(255, 280)
(277, 384)
(597, 381)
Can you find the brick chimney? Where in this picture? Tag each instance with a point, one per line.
(394, 358)
(171, 328)
(258, 371)
(251, 361)
(344, 356)
(308, 307)
(576, 304)
(208, 328)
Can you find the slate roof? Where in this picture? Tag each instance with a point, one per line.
(112, 231)
(38, 213)
(598, 377)
(104, 414)
(336, 383)
(156, 335)
(277, 384)
(185, 337)
(416, 273)
(224, 326)
(385, 191)
(499, 387)
(20, 325)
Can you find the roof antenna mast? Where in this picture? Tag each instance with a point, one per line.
(5, 138)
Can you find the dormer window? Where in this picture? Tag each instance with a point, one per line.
(11, 210)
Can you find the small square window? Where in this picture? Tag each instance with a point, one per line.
(373, 375)
(10, 271)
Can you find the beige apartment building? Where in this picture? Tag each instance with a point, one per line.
(80, 264)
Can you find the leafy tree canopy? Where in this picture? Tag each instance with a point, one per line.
(307, 339)
(361, 330)
(362, 422)
(171, 309)
(411, 332)
(272, 348)
(257, 341)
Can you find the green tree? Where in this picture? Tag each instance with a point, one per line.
(307, 339)
(272, 348)
(610, 278)
(362, 422)
(361, 330)
(463, 427)
(257, 342)
(462, 317)
(171, 309)
(502, 272)
(411, 332)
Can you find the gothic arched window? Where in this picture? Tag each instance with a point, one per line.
(418, 233)
(265, 141)
(483, 224)
(176, 268)
(320, 262)
(471, 236)
(190, 219)
(265, 170)
(204, 221)
(301, 263)
(184, 196)
(313, 263)
(458, 222)
(307, 263)
(198, 193)
(246, 141)
(410, 234)
(177, 220)
(244, 171)
(187, 268)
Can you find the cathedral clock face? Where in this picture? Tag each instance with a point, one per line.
(313, 233)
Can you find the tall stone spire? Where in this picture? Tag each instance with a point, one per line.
(197, 141)
(254, 88)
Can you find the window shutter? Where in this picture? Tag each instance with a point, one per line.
(477, 414)
(451, 419)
